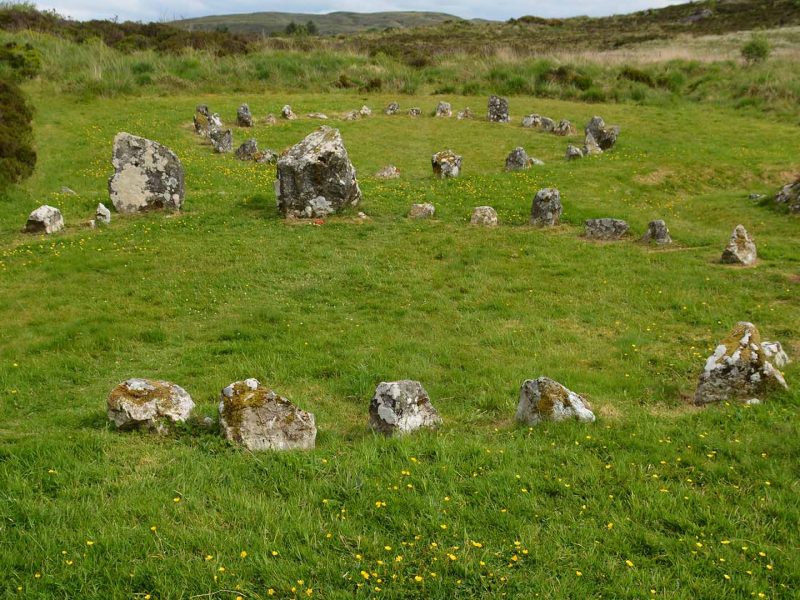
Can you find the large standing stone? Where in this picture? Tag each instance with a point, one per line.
(657, 232)
(564, 127)
(248, 150)
(421, 211)
(790, 196)
(316, 176)
(485, 216)
(741, 248)
(400, 407)
(253, 415)
(244, 118)
(605, 229)
(222, 140)
(392, 109)
(545, 399)
(45, 219)
(518, 160)
(443, 109)
(148, 175)
(102, 214)
(497, 110)
(446, 164)
(546, 208)
(287, 113)
(204, 121)
(738, 369)
(388, 172)
(148, 404)
(605, 136)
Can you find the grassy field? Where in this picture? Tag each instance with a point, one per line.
(656, 499)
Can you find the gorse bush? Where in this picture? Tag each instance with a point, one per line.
(756, 50)
(17, 156)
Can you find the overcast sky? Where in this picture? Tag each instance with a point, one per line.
(159, 10)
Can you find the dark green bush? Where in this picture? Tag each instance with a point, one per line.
(20, 61)
(17, 156)
(637, 75)
(756, 50)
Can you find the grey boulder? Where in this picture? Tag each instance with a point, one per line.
(497, 110)
(244, 118)
(545, 399)
(400, 407)
(221, 140)
(518, 160)
(45, 219)
(605, 229)
(573, 152)
(248, 150)
(546, 208)
(741, 248)
(790, 196)
(446, 164)
(421, 211)
(392, 109)
(148, 404)
(657, 232)
(484, 216)
(605, 135)
(443, 109)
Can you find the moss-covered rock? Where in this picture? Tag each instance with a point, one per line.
(148, 404)
(545, 399)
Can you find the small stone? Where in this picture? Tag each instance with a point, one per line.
(605, 229)
(741, 248)
(244, 117)
(248, 150)
(365, 111)
(564, 127)
(68, 191)
(739, 368)
(545, 399)
(485, 216)
(400, 407)
(518, 160)
(102, 214)
(546, 208)
(547, 125)
(497, 110)
(446, 164)
(45, 219)
(465, 114)
(253, 415)
(287, 113)
(752, 402)
(443, 109)
(266, 156)
(270, 119)
(421, 211)
(590, 146)
(605, 136)
(790, 196)
(774, 352)
(317, 115)
(573, 152)
(91, 224)
(657, 232)
(756, 196)
(222, 140)
(148, 404)
(392, 109)
(363, 216)
(531, 121)
(414, 112)
(388, 172)
(353, 115)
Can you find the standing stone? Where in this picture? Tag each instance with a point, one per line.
(392, 109)
(365, 111)
(738, 369)
(605, 136)
(518, 160)
(148, 176)
(204, 121)
(545, 399)
(414, 112)
(253, 415)
(446, 164)
(45, 219)
(590, 146)
(564, 127)
(790, 196)
(605, 229)
(388, 172)
(102, 214)
(400, 407)
(657, 232)
(741, 248)
(573, 152)
(547, 124)
(248, 150)
(497, 110)
(270, 119)
(531, 121)
(465, 114)
(244, 118)
(546, 208)
(443, 109)
(485, 216)
(148, 404)
(287, 113)
(222, 140)
(421, 211)
(315, 176)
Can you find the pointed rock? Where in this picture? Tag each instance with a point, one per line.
(741, 248)
(545, 399)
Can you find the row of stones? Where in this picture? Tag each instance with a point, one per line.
(253, 415)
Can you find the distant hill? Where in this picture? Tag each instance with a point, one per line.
(330, 24)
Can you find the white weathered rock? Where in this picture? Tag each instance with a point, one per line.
(485, 216)
(465, 114)
(545, 399)
(605, 229)
(45, 219)
(414, 112)
(547, 124)
(446, 164)
(253, 415)
(546, 208)
(443, 109)
(392, 109)
(316, 175)
(148, 176)
(388, 172)
(365, 111)
(739, 368)
(531, 121)
(287, 113)
(497, 110)
(741, 248)
(421, 211)
(657, 232)
(518, 160)
(775, 354)
(317, 115)
(351, 116)
(148, 404)
(400, 407)
(102, 214)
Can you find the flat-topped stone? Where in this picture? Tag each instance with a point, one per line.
(148, 404)
(605, 229)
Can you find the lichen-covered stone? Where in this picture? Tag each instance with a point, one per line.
(317, 115)
(545, 399)
(605, 229)
(244, 118)
(546, 208)
(316, 173)
(352, 115)
(148, 404)
(221, 140)
(365, 111)
(270, 119)
(518, 160)
(485, 216)
(266, 156)
(465, 114)
(531, 121)
(590, 146)
(605, 135)
(547, 124)
(148, 176)
(421, 211)
(738, 369)
(790, 196)
(204, 121)
(657, 232)
(573, 152)
(741, 248)
(388, 172)
(287, 113)
(446, 164)
(253, 415)
(414, 112)
(102, 214)
(497, 110)
(443, 109)
(400, 407)
(775, 354)
(248, 150)
(392, 109)
(45, 219)
(564, 127)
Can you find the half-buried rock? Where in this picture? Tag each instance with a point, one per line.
(485, 216)
(148, 176)
(545, 399)
(741, 249)
(45, 219)
(657, 232)
(739, 369)
(400, 407)
(316, 177)
(422, 211)
(446, 164)
(605, 135)
(518, 160)
(790, 196)
(605, 229)
(253, 415)
(148, 404)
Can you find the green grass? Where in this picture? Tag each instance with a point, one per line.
(228, 290)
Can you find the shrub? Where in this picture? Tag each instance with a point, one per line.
(23, 61)
(637, 75)
(17, 156)
(756, 50)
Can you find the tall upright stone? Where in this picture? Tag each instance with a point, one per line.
(546, 208)
(497, 110)
(741, 249)
(244, 118)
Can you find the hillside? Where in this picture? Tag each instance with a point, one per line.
(328, 24)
